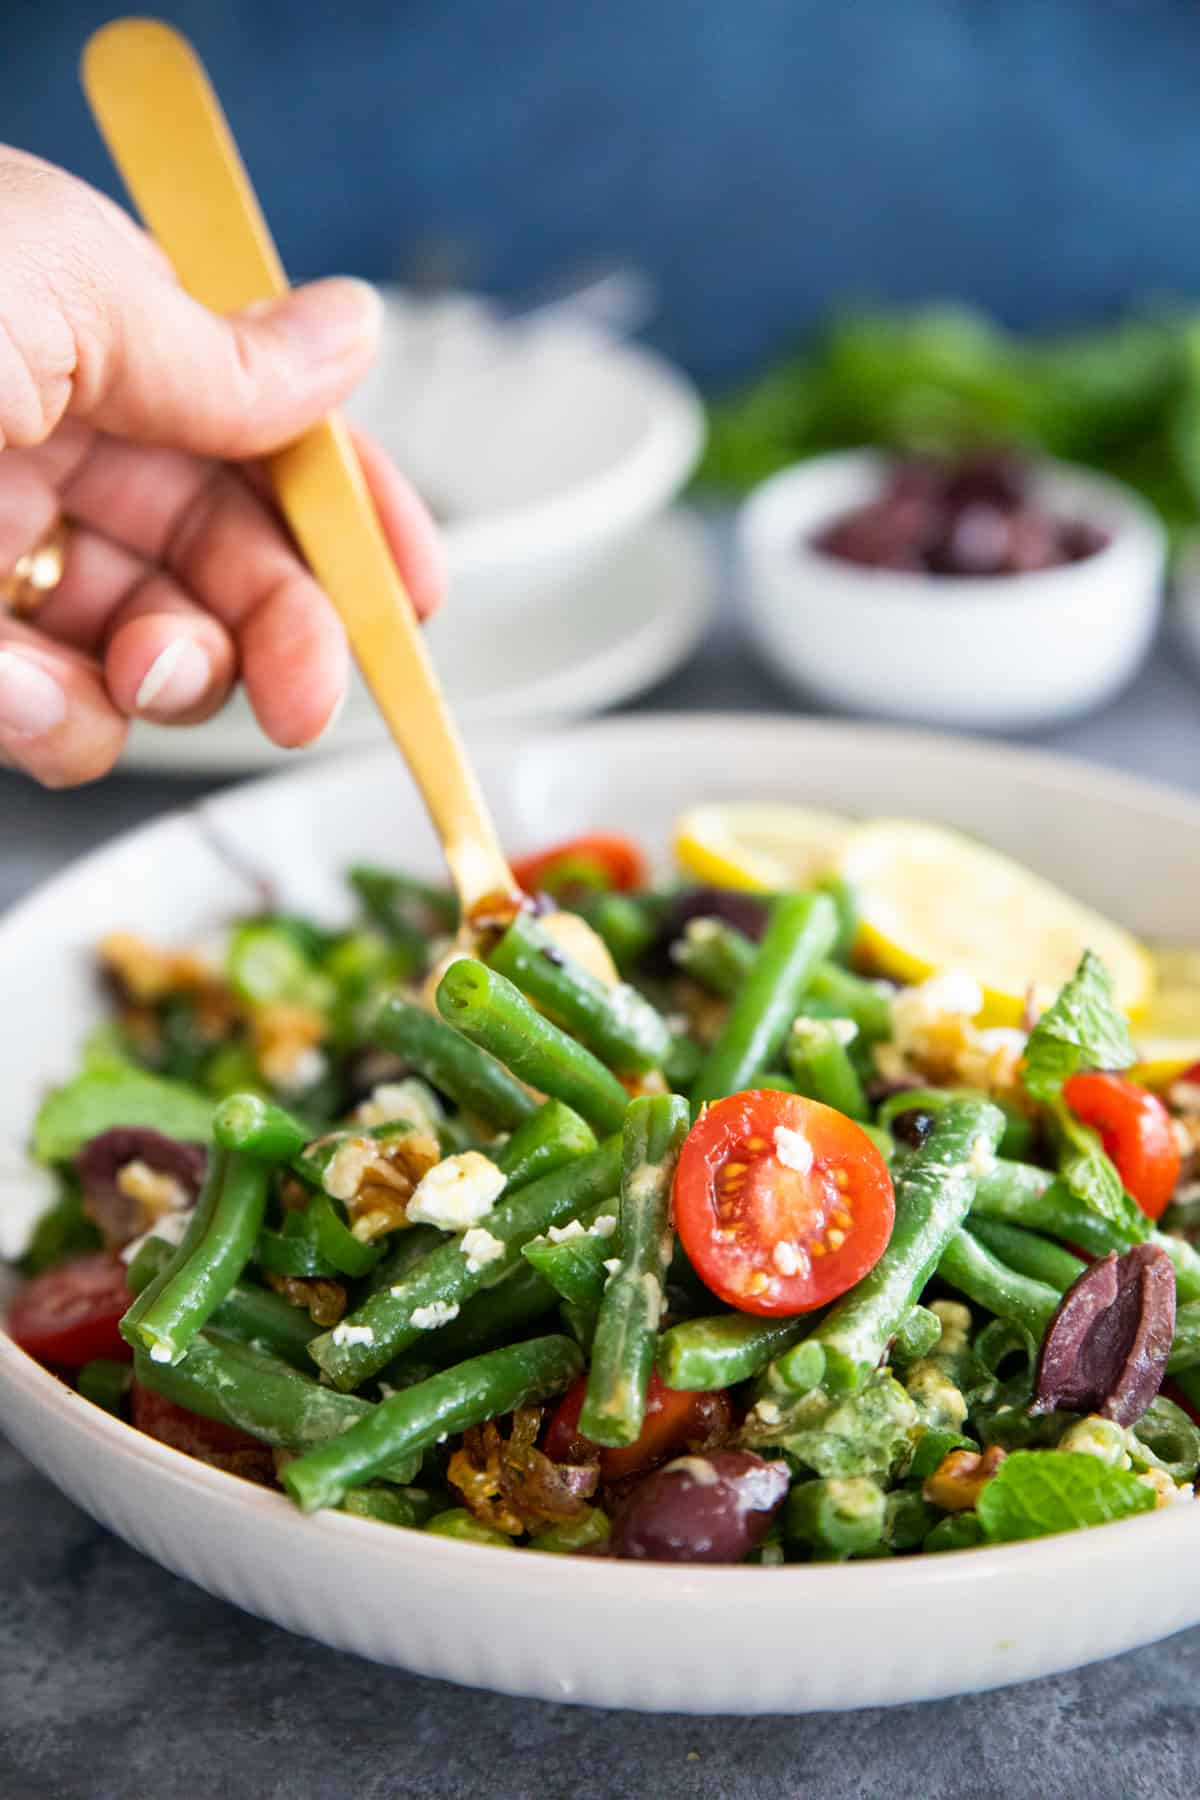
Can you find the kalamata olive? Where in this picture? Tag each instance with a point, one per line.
(911, 1128)
(713, 1508)
(1107, 1346)
(746, 912)
(116, 1208)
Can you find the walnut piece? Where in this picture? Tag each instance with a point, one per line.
(961, 1477)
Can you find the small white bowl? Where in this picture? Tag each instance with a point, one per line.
(999, 652)
(545, 442)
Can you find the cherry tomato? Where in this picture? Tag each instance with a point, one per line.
(190, 1432)
(1136, 1131)
(781, 1203)
(675, 1419)
(69, 1314)
(583, 865)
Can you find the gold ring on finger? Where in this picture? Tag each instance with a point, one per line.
(36, 574)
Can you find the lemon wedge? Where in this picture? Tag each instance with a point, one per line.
(758, 846)
(931, 899)
(1167, 1034)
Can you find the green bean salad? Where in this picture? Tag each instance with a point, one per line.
(645, 1221)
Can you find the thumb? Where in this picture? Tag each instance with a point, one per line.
(237, 386)
(92, 323)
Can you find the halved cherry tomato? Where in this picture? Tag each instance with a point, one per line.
(69, 1314)
(1136, 1131)
(190, 1432)
(675, 1419)
(583, 865)
(781, 1203)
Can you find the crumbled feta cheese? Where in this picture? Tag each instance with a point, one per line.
(457, 1193)
(353, 1334)
(982, 1159)
(153, 1189)
(643, 1184)
(767, 1412)
(1002, 1037)
(793, 1149)
(347, 1166)
(612, 1264)
(160, 1353)
(564, 1234)
(844, 1030)
(698, 1467)
(1166, 1491)
(428, 1318)
(480, 1248)
(411, 1100)
(304, 1072)
(789, 1259)
(603, 1225)
(170, 1228)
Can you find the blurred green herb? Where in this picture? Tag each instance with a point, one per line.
(941, 379)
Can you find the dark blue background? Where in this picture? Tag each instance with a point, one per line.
(759, 157)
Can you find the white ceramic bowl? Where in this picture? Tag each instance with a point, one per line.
(614, 1634)
(998, 653)
(546, 444)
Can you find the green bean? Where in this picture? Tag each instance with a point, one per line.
(409, 1422)
(715, 954)
(957, 1531)
(487, 1318)
(908, 1520)
(247, 1388)
(389, 898)
(457, 1522)
(1185, 1349)
(849, 996)
(627, 1324)
(442, 1281)
(452, 1063)
(1023, 1195)
(105, 1383)
(836, 1516)
(845, 901)
(800, 930)
(822, 1070)
(572, 1261)
(626, 924)
(772, 1082)
(335, 1240)
(545, 1141)
(258, 1127)
(405, 1248)
(293, 1252)
(615, 1023)
(1029, 1253)
(496, 1016)
(969, 1267)
(999, 1341)
(918, 1332)
(720, 1351)
(250, 1313)
(1018, 1129)
(591, 1527)
(933, 1193)
(194, 1291)
(684, 1060)
(933, 1448)
(411, 1507)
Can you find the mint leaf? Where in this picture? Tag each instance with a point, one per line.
(111, 1094)
(1039, 1492)
(1088, 1173)
(1082, 1030)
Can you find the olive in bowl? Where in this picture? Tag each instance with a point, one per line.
(987, 594)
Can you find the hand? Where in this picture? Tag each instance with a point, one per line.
(136, 414)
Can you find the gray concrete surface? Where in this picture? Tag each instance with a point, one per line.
(118, 1680)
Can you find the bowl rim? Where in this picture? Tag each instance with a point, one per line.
(767, 528)
(639, 481)
(107, 1434)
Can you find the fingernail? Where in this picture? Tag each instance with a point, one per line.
(31, 701)
(331, 724)
(176, 680)
(327, 319)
